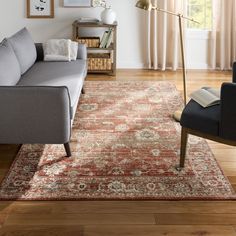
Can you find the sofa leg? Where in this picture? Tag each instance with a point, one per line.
(67, 148)
(83, 91)
(184, 139)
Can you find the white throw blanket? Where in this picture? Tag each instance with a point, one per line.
(60, 50)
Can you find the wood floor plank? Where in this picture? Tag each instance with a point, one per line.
(221, 157)
(122, 207)
(8, 151)
(79, 219)
(41, 231)
(195, 219)
(170, 230)
(5, 164)
(141, 230)
(3, 172)
(3, 218)
(234, 186)
(147, 207)
(5, 207)
(229, 168)
(234, 226)
(31, 207)
(232, 179)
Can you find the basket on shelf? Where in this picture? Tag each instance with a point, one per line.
(91, 42)
(99, 61)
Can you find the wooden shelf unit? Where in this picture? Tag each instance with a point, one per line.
(112, 49)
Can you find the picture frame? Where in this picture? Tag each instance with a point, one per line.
(40, 8)
(78, 3)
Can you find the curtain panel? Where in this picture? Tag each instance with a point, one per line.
(223, 35)
(163, 36)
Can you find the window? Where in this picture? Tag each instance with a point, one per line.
(201, 11)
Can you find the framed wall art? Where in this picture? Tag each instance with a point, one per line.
(77, 3)
(40, 8)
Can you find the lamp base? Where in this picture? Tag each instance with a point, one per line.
(177, 115)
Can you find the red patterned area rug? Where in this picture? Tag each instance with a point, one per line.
(125, 145)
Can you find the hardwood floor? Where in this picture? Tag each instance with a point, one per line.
(132, 218)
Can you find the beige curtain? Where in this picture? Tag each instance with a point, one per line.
(223, 44)
(163, 36)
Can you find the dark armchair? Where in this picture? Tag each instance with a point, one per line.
(217, 123)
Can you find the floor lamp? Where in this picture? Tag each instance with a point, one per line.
(148, 6)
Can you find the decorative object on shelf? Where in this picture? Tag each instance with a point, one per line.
(148, 6)
(40, 8)
(108, 16)
(77, 3)
(88, 20)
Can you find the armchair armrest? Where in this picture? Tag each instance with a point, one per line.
(227, 127)
(234, 72)
(34, 115)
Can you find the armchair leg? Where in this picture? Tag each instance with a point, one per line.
(184, 139)
(67, 148)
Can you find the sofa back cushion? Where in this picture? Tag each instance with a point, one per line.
(24, 48)
(10, 72)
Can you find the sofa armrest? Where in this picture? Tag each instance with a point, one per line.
(228, 112)
(34, 115)
(82, 52)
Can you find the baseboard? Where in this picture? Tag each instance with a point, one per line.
(131, 65)
(142, 65)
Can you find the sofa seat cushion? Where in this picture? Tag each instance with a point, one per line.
(9, 65)
(24, 48)
(69, 74)
(205, 120)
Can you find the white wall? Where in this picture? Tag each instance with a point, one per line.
(131, 44)
(197, 49)
(131, 33)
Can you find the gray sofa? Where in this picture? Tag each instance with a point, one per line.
(38, 99)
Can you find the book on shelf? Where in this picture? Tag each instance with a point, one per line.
(88, 20)
(206, 97)
(109, 39)
(104, 39)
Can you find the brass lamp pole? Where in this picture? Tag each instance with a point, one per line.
(148, 6)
